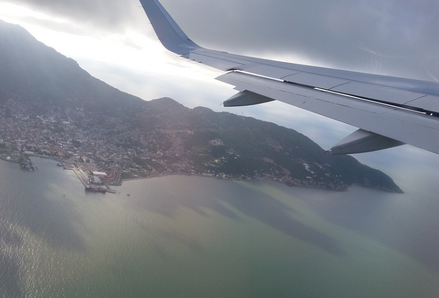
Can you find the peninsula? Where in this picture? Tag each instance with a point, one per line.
(51, 107)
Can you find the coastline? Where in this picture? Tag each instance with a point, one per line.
(344, 187)
(290, 183)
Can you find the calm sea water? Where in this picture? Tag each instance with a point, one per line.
(200, 237)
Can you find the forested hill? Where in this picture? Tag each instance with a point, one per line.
(59, 109)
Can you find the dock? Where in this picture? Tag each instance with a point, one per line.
(84, 179)
(81, 177)
(109, 189)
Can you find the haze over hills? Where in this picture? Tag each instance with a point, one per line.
(50, 106)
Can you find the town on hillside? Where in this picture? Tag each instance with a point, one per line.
(115, 149)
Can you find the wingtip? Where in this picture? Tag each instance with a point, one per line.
(167, 30)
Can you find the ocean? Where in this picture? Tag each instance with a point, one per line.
(182, 236)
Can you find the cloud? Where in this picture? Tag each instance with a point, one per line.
(395, 37)
(108, 14)
(390, 37)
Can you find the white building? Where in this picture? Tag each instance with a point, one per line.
(99, 174)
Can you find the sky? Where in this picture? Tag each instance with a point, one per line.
(114, 41)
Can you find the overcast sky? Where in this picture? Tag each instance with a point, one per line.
(113, 40)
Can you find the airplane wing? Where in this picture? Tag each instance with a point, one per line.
(388, 111)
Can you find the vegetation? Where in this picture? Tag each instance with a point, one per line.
(160, 136)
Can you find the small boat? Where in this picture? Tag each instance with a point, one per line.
(96, 189)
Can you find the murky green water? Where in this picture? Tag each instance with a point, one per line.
(200, 237)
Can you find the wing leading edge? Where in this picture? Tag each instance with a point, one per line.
(388, 111)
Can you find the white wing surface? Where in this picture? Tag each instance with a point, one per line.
(388, 111)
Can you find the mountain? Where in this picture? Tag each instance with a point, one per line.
(50, 106)
(31, 71)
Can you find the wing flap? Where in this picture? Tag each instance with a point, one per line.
(428, 103)
(382, 93)
(315, 80)
(270, 71)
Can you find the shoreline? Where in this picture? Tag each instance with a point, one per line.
(343, 189)
(289, 183)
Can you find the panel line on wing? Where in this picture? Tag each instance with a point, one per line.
(356, 97)
(391, 105)
(370, 100)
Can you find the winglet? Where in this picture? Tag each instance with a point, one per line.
(167, 30)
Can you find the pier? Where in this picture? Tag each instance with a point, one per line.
(109, 189)
(83, 177)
